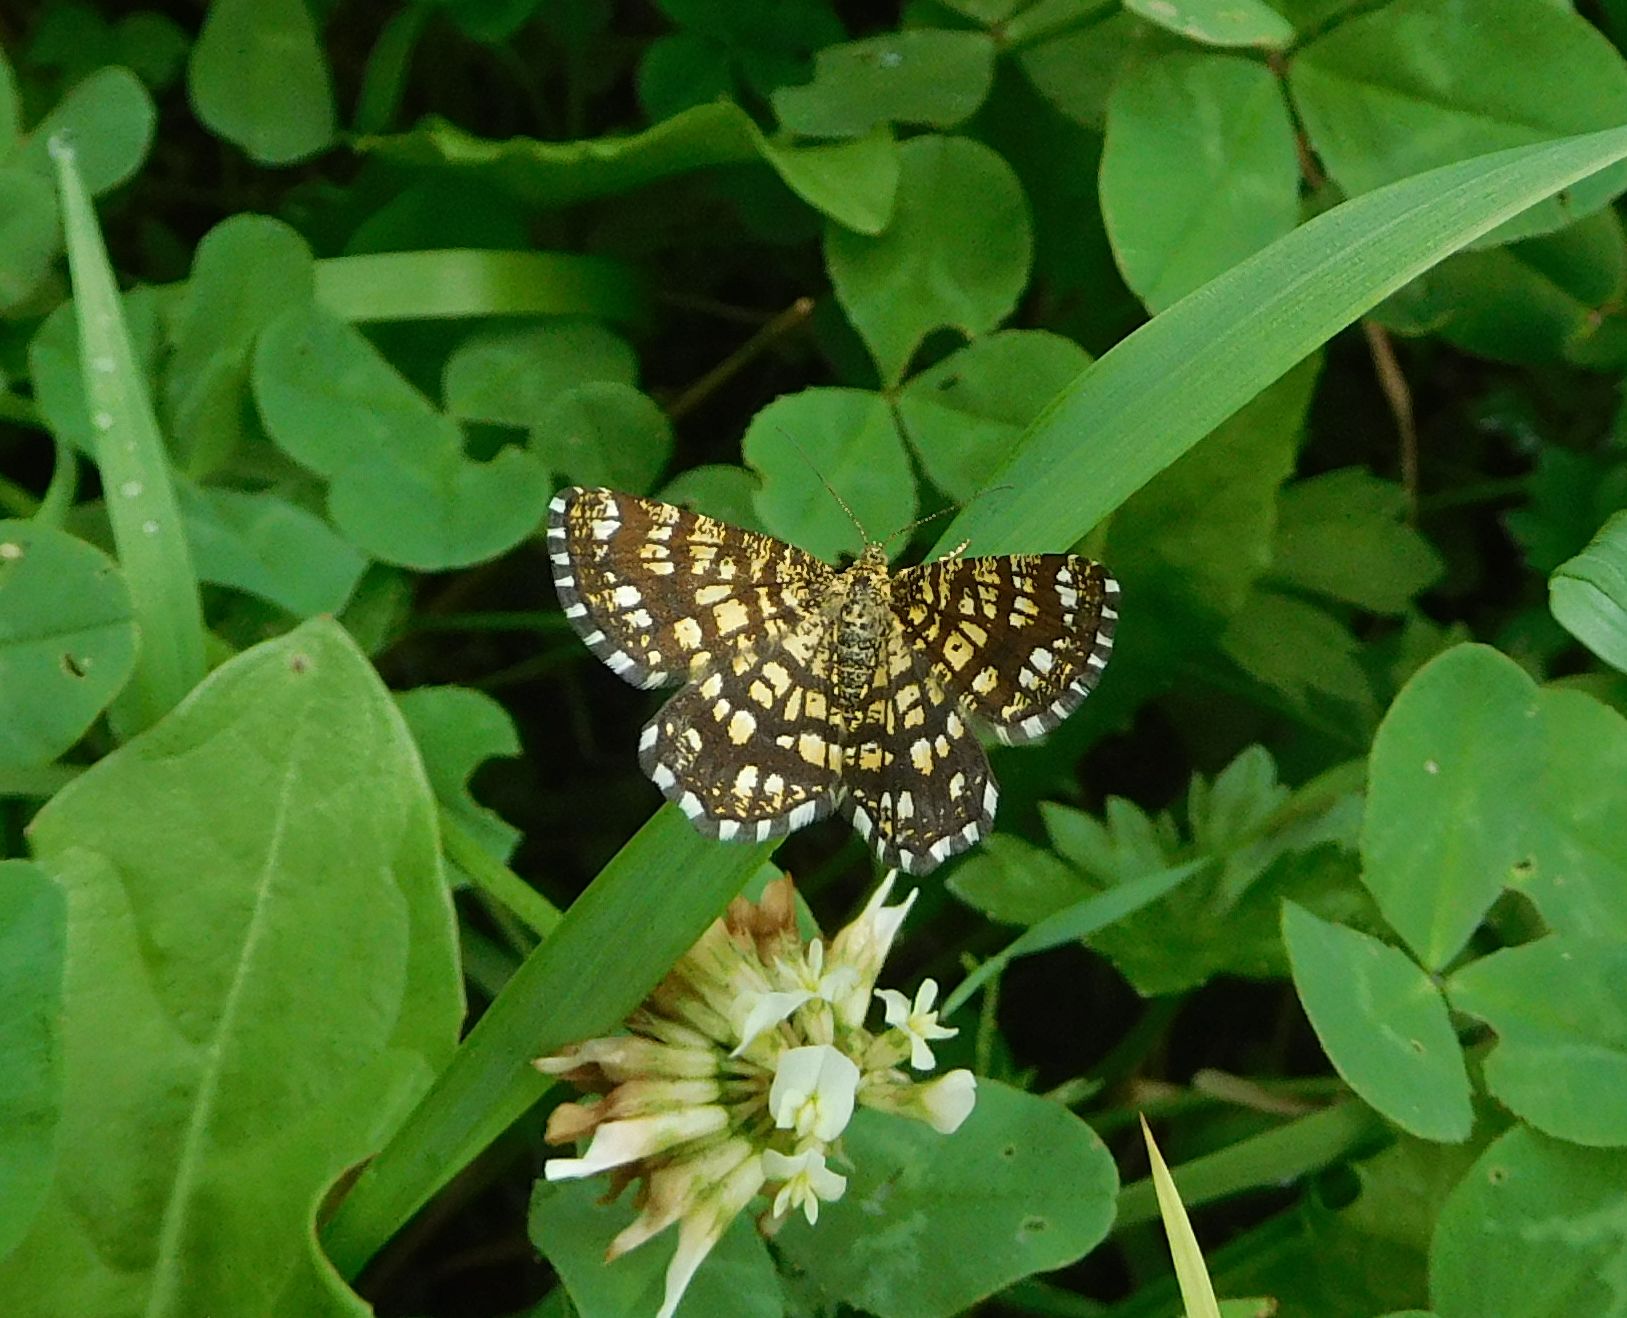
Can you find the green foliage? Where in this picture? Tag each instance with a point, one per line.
(67, 642)
(1022, 1170)
(280, 673)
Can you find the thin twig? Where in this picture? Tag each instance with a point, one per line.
(792, 318)
(1398, 394)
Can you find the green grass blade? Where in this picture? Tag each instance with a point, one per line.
(1262, 1162)
(460, 283)
(1072, 923)
(147, 533)
(645, 909)
(1197, 1292)
(1142, 405)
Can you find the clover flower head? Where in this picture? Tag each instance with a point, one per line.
(741, 1071)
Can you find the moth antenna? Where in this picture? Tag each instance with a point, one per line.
(944, 512)
(841, 502)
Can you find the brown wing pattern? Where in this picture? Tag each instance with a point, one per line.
(663, 595)
(1020, 640)
(917, 784)
(751, 750)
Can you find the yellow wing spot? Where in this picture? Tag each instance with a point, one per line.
(941, 746)
(921, 755)
(975, 634)
(709, 595)
(711, 686)
(661, 568)
(793, 706)
(741, 726)
(692, 738)
(1022, 604)
(776, 674)
(774, 786)
(870, 758)
(745, 782)
(762, 695)
(816, 706)
(687, 632)
(957, 785)
(957, 650)
(906, 696)
(968, 605)
(811, 746)
(730, 616)
(914, 718)
(986, 681)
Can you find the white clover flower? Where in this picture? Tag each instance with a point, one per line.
(813, 1091)
(917, 1023)
(740, 1072)
(806, 1181)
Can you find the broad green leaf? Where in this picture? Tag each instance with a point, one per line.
(11, 111)
(1447, 784)
(67, 641)
(255, 882)
(1530, 302)
(247, 269)
(1218, 22)
(512, 376)
(955, 254)
(852, 182)
(1560, 1061)
(141, 504)
(572, 1226)
(1076, 68)
(925, 76)
(727, 493)
(605, 434)
(1382, 1023)
(30, 236)
(401, 488)
(268, 547)
(910, 1238)
(1357, 1242)
(1200, 533)
(1536, 1229)
(108, 119)
(965, 413)
(1199, 170)
(458, 729)
(1014, 882)
(1394, 92)
(1588, 594)
(259, 78)
(680, 71)
(33, 914)
(846, 437)
(1343, 535)
(1301, 651)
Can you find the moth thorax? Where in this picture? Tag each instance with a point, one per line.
(861, 627)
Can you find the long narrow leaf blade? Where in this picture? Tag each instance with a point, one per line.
(646, 908)
(1140, 406)
(141, 505)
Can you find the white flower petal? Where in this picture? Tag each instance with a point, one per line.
(699, 1230)
(616, 1143)
(758, 1012)
(896, 1007)
(948, 1100)
(813, 1091)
